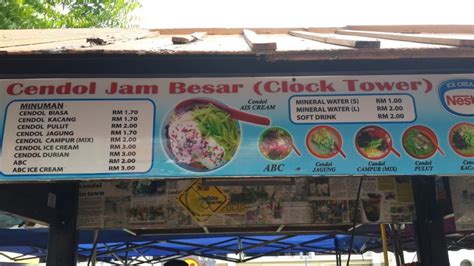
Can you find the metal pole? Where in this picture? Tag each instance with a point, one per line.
(93, 257)
(126, 255)
(336, 247)
(240, 246)
(396, 243)
(384, 244)
(429, 224)
(62, 243)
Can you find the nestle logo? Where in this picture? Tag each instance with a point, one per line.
(457, 96)
(460, 100)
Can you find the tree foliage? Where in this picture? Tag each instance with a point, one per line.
(41, 14)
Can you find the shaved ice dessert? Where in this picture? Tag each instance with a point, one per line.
(202, 138)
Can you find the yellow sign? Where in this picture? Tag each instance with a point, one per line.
(202, 202)
(191, 262)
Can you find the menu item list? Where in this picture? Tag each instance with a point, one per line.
(78, 137)
(352, 109)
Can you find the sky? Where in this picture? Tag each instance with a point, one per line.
(301, 13)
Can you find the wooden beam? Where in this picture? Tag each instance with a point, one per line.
(338, 39)
(124, 35)
(257, 43)
(11, 38)
(196, 36)
(39, 40)
(460, 29)
(232, 31)
(372, 54)
(431, 39)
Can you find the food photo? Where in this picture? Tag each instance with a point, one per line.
(461, 138)
(420, 142)
(202, 134)
(276, 143)
(374, 143)
(324, 142)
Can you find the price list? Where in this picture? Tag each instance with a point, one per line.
(124, 139)
(352, 108)
(78, 137)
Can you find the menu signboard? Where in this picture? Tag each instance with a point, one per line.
(236, 126)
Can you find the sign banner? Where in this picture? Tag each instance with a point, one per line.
(240, 126)
(191, 203)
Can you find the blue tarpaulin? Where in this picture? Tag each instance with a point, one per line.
(116, 244)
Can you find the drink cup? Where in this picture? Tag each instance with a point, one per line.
(371, 206)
